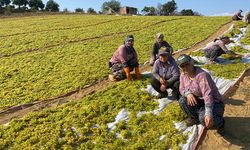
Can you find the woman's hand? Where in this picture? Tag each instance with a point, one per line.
(191, 100)
(163, 88)
(162, 81)
(209, 122)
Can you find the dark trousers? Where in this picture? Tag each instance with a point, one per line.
(118, 70)
(213, 54)
(198, 111)
(156, 85)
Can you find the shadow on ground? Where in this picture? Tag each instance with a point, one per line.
(237, 131)
(236, 102)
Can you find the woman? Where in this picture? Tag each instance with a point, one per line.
(217, 48)
(165, 74)
(237, 15)
(200, 100)
(159, 42)
(124, 60)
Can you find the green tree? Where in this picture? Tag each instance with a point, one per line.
(112, 4)
(36, 4)
(79, 10)
(149, 11)
(4, 2)
(91, 11)
(51, 5)
(168, 8)
(187, 12)
(20, 3)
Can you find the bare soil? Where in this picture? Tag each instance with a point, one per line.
(237, 122)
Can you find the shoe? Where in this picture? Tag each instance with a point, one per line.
(191, 121)
(163, 95)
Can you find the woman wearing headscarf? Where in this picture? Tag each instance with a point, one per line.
(159, 42)
(124, 60)
(237, 15)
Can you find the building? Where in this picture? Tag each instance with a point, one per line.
(128, 11)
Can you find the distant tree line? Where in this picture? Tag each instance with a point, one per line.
(108, 7)
(168, 9)
(9, 6)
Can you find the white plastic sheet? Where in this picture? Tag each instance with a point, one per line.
(121, 116)
(238, 37)
(193, 132)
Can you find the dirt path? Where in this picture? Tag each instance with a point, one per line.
(237, 117)
(19, 111)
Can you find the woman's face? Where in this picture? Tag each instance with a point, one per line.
(160, 39)
(130, 42)
(163, 58)
(187, 68)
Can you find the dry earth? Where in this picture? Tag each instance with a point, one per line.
(237, 126)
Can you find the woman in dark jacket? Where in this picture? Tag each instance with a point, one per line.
(159, 42)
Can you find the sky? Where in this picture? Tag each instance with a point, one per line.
(205, 7)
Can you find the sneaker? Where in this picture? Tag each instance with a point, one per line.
(191, 121)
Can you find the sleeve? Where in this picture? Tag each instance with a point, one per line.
(183, 90)
(123, 55)
(170, 48)
(205, 85)
(175, 75)
(224, 48)
(155, 70)
(154, 51)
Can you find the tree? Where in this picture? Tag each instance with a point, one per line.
(20, 3)
(4, 2)
(91, 11)
(112, 4)
(52, 6)
(149, 11)
(79, 10)
(187, 12)
(168, 8)
(36, 4)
